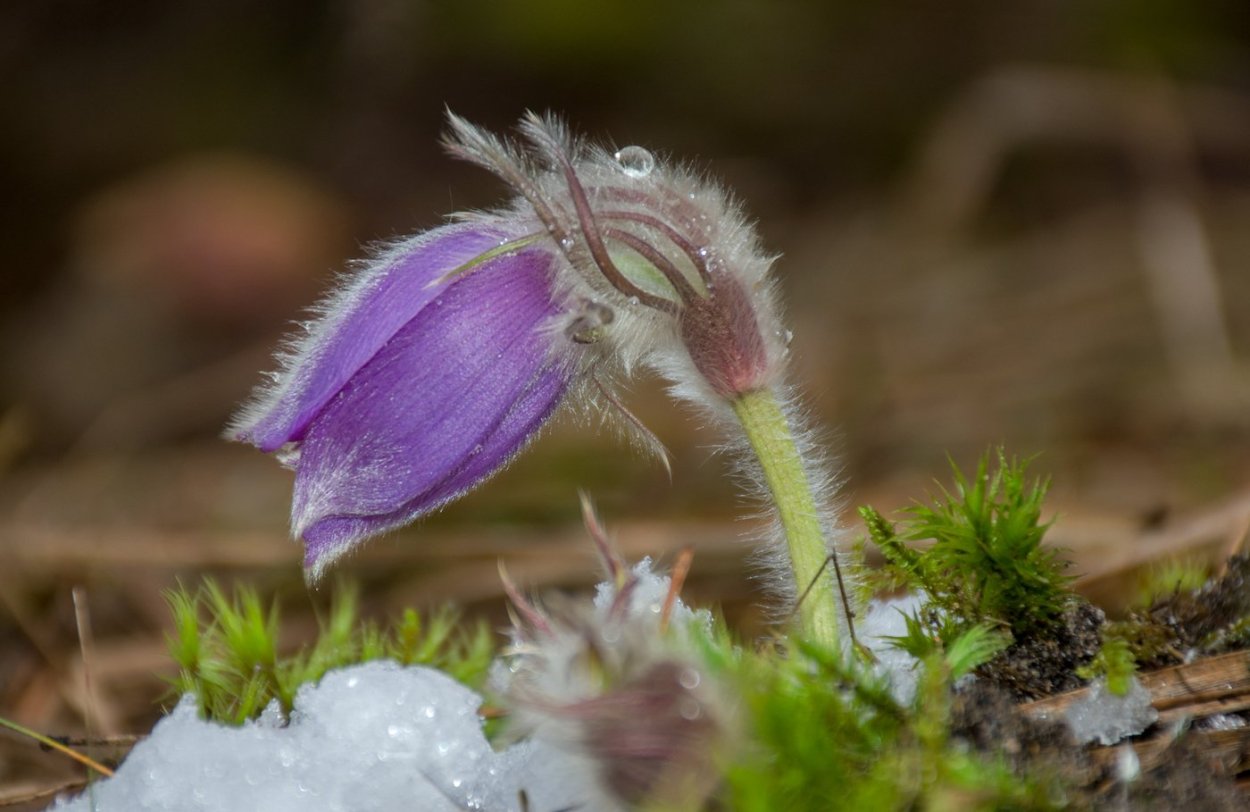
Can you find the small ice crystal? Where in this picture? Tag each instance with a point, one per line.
(1221, 721)
(1107, 718)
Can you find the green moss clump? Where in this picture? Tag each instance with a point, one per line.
(1188, 614)
(826, 733)
(985, 566)
(226, 648)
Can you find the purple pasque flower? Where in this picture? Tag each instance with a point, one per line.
(436, 363)
(424, 375)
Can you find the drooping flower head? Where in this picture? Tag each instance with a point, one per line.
(431, 367)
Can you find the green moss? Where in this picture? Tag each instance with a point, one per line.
(986, 564)
(1168, 579)
(1210, 617)
(826, 733)
(1114, 663)
(226, 648)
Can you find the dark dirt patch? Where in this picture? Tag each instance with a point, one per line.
(1184, 780)
(1045, 662)
(987, 718)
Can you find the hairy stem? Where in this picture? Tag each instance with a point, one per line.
(772, 439)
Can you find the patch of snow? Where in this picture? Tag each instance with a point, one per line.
(1107, 718)
(379, 737)
(1127, 764)
(884, 619)
(1221, 721)
(648, 598)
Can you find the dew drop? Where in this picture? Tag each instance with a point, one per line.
(566, 243)
(633, 300)
(635, 162)
(689, 709)
(689, 679)
(786, 336)
(429, 711)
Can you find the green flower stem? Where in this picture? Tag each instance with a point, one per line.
(772, 439)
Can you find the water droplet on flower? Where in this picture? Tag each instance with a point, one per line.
(352, 682)
(566, 243)
(635, 162)
(704, 252)
(689, 678)
(786, 336)
(456, 782)
(633, 300)
(689, 709)
(429, 711)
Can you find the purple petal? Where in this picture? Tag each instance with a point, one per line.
(358, 321)
(453, 395)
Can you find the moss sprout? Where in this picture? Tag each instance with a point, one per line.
(227, 650)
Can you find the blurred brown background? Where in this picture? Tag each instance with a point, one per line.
(1025, 223)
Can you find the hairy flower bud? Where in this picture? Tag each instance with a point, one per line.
(618, 682)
